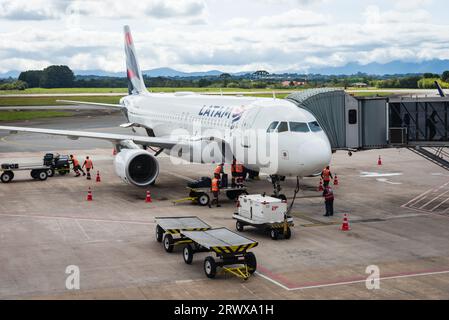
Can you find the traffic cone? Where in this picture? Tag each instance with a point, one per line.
(320, 188)
(89, 195)
(379, 162)
(148, 198)
(336, 182)
(345, 225)
(114, 152)
(98, 176)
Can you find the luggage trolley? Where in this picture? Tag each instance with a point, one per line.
(230, 248)
(168, 230)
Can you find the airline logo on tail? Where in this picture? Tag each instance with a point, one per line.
(135, 79)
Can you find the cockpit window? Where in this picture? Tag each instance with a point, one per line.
(315, 127)
(272, 127)
(283, 127)
(299, 127)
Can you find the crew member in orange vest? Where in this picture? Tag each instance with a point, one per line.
(233, 172)
(76, 166)
(240, 173)
(326, 175)
(215, 188)
(218, 171)
(88, 164)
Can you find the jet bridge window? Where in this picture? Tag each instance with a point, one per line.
(352, 115)
(299, 127)
(315, 126)
(272, 127)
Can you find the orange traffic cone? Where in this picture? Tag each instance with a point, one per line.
(114, 152)
(336, 182)
(89, 195)
(148, 198)
(345, 225)
(320, 188)
(379, 162)
(98, 176)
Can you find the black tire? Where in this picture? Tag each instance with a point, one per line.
(42, 175)
(159, 233)
(187, 253)
(283, 197)
(210, 267)
(232, 195)
(50, 172)
(251, 262)
(34, 174)
(288, 235)
(7, 177)
(239, 226)
(274, 234)
(203, 199)
(169, 244)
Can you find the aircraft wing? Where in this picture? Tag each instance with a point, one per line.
(118, 106)
(165, 143)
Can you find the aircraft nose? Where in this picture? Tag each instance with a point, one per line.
(315, 154)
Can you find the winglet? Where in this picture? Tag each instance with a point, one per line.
(136, 84)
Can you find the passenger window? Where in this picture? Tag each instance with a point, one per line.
(352, 116)
(315, 127)
(299, 127)
(272, 127)
(283, 127)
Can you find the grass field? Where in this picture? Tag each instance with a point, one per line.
(51, 101)
(29, 115)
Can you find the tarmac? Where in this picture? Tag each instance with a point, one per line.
(399, 218)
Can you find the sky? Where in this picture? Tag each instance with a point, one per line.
(225, 35)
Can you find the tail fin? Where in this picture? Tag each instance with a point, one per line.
(440, 90)
(136, 84)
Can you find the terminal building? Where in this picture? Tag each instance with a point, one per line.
(363, 123)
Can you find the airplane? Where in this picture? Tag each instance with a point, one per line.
(268, 135)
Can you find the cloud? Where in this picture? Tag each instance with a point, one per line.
(293, 19)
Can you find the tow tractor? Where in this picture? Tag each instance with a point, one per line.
(262, 212)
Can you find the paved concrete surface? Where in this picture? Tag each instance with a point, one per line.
(47, 226)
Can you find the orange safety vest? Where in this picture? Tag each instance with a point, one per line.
(88, 164)
(239, 168)
(233, 168)
(215, 187)
(326, 175)
(218, 170)
(76, 163)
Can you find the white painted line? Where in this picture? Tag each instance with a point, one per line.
(327, 285)
(436, 198)
(76, 218)
(439, 205)
(416, 198)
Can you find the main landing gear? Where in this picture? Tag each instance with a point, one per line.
(276, 181)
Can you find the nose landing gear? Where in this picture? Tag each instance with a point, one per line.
(276, 181)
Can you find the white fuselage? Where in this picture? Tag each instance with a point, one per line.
(236, 120)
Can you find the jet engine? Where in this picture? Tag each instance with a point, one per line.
(137, 167)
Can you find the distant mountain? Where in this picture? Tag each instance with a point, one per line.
(394, 67)
(159, 72)
(10, 74)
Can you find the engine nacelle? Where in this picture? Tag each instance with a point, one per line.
(137, 167)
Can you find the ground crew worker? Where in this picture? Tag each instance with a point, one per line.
(219, 170)
(233, 172)
(215, 188)
(88, 164)
(76, 166)
(326, 175)
(329, 201)
(240, 172)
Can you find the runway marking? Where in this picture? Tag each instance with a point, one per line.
(289, 287)
(77, 218)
